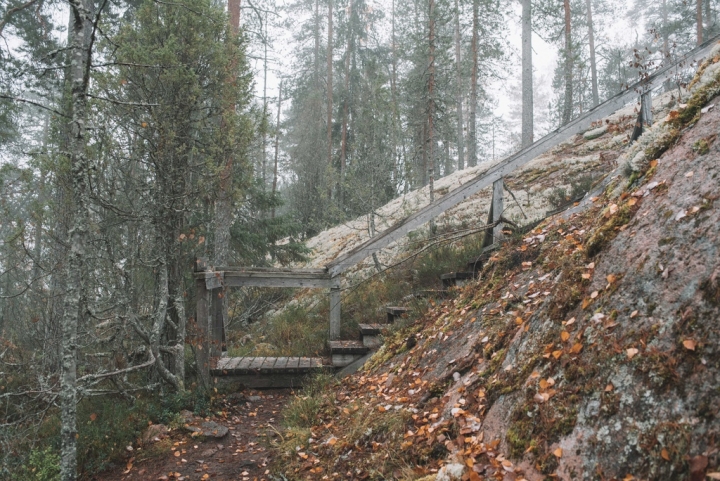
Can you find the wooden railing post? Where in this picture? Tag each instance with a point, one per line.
(646, 106)
(497, 209)
(335, 311)
(202, 318)
(217, 327)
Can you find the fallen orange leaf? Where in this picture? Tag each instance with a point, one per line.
(690, 344)
(631, 352)
(557, 354)
(564, 336)
(611, 278)
(577, 347)
(665, 455)
(558, 453)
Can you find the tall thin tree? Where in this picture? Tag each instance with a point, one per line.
(527, 135)
(699, 18)
(593, 63)
(329, 84)
(80, 49)
(568, 100)
(458, 91)
(430, 143)
(472, 135)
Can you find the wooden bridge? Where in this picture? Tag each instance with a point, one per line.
(212, 282)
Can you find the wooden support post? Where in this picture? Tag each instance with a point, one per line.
(497, 208)
(335, 313)
(217, 328)
(202, 318)
(646, 106)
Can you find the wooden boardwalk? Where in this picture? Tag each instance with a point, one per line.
(266, 372)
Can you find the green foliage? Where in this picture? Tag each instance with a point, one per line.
(166, 408)
(42, 465)
(579, 186)
(105, 427)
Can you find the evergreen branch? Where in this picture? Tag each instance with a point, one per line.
(31, 102)
(119, 102)
(12, 11)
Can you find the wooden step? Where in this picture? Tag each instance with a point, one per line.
(236, 373)
(370, 334)
(237, 366)
(394, 312)
(371, 329)
(347, 347)
(344, 353)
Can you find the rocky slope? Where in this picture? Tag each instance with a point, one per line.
(588, 349)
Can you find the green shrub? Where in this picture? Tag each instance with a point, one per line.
(42, 465)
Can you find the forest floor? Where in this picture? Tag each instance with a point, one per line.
(242, 454)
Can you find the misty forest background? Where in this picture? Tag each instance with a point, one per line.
(139, 135)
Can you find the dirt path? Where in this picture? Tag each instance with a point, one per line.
(239, 455)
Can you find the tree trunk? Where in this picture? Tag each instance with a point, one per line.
(234, 14)
(708, 18)
(80, 47)
(317, 44)
(699, 18)
(593, 64)
(472, 135)
(329, 84)
(527, 135)
(431, 99)
(393, 92)
(346, 100)
(665, 36)
(277, 147)
(458, 91)
(265, 104)
(223, 204)
(568, 101)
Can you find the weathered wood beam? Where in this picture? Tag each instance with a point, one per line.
(497, 208)
(201, 343)
(237, 277)
(335, 313)
(507, 166)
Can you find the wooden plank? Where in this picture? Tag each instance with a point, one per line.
(233, 363)
(281, 363)
(508, 165)
(268, 364)
(239, 276)
(256, 363)
(244, 364)
(279, 282)
(304, 363)
(224, 362)
(293, 363)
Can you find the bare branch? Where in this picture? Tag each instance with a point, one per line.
(12, 11)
